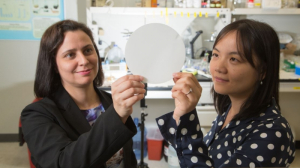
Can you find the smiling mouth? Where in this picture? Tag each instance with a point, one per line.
(220, 79)
(84, 71)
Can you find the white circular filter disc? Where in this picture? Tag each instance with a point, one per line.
(155, 51)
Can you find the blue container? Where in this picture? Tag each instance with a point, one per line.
(297, 69)
(137, 141)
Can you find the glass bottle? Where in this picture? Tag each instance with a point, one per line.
(218, 3)
(212, 4)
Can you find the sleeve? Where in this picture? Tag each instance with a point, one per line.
(186, 138)
(53, 147)
(269, 145)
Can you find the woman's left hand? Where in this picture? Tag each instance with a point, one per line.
(186, 92)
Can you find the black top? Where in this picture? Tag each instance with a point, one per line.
(58, 134)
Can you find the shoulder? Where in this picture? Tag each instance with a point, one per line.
(43, 106)
(276, 130)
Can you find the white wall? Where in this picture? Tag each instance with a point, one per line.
(17, 70)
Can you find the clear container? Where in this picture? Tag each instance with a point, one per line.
(137, 141)
(173, 161)
(115, 55)
(197, 3)
(239, 3)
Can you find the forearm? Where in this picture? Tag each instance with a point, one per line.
(187, 139)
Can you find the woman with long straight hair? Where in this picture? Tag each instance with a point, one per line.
(249, 130)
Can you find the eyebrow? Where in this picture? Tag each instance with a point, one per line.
(70, 50)
(231, 53)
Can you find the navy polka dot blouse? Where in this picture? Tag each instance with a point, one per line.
(264, 141)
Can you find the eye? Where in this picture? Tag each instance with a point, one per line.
(70, 55)
(234, 59)
(214, 55)
(88, 51)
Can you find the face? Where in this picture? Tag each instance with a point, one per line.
(232, 75)
(77, 60)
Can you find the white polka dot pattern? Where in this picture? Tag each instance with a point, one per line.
(263, 135)
(172, 130)
(192, 117)
(271, 146)
(200, 150)
(282, 147)
(208, 163)
(254, 146)
(183, 131)
(194, 159)
(273, 160)
(198, 127)
(161, 122)
(278, 134)
(265, 140)
(260, 158)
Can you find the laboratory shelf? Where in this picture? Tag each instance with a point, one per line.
(159, 11)
(260, 11)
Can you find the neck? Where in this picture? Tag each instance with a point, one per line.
(84, 97)
(236, 103)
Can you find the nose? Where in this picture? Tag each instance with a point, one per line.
(82, 59)
(219, 65)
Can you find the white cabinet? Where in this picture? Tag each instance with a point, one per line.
(117, 23)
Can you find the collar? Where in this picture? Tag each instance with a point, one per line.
(71, 111)
(270, 114)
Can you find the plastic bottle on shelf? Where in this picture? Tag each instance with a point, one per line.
(115, 54)
(123, 66)
(196, 3)
(153, 3)
(186, 40)
(250, 4)
(173, 161)
(105, 65)
(137, 141)
(204, 4)
(257, 3)
(189, 3)
(208, 3)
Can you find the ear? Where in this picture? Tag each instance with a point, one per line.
(262, 75)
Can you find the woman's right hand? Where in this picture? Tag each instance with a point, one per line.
(126, 91)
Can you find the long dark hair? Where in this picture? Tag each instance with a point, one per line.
(47, 79)
(259, 41)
